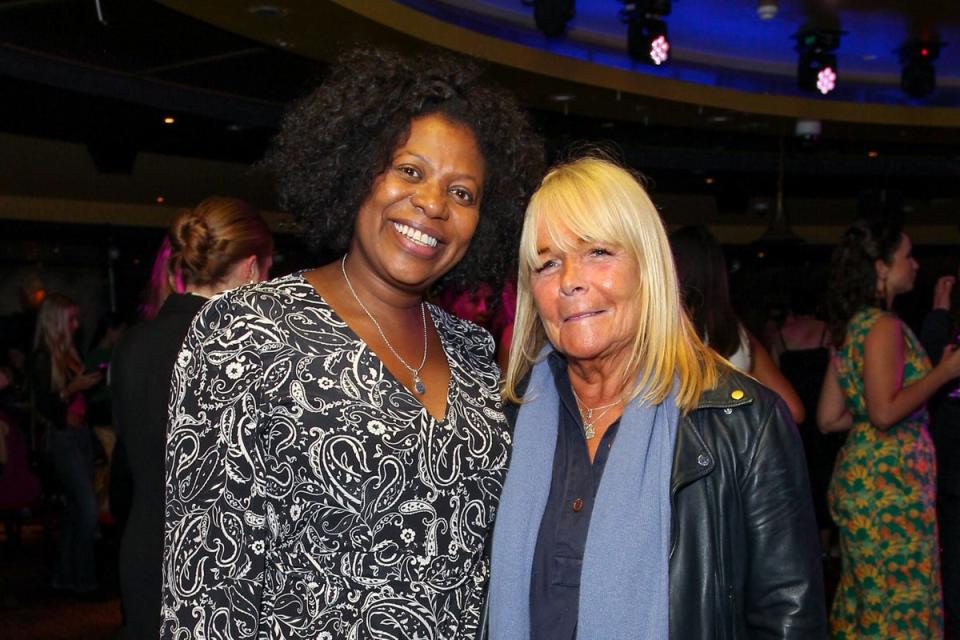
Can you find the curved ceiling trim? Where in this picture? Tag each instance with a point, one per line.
(308, 29)
(419, 25)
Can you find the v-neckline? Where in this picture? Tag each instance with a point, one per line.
(301, 275)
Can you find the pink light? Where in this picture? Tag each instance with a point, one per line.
(826, 80)
(659, 50)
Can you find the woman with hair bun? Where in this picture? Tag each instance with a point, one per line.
(220, 244)
(337, 445)
(883, 491)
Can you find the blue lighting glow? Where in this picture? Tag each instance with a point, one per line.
(723, 43)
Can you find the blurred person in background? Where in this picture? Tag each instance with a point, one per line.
(800, 347)
(220, 244)
(162, 282)
(501, 326)
(941, 332)
(99, 405)
(58, 385)
(883, 492)
(471, 303)
(702, 269)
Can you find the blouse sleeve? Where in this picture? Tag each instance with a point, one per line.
(215, 520)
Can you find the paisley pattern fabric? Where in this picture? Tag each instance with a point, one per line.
(882, 497)
(309, 494)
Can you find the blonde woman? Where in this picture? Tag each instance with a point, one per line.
(703, 525)
(58, 384)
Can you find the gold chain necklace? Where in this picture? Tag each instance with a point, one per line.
(418, 385)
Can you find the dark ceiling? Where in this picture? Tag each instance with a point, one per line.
(66, 74)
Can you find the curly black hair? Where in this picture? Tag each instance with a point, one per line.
(853, 277)
(334, 143)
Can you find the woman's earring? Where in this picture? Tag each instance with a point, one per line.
(882, 291)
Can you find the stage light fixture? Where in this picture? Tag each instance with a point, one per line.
(817, 64)
(919, 77)
(767, 9)
(552, 16)
(647, 38)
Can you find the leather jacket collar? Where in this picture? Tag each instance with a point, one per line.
(692, 457)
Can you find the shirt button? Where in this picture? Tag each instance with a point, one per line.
(578, 505)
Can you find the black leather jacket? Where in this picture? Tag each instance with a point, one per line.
(744, 554)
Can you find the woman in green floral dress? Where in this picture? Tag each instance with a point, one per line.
(883, 491)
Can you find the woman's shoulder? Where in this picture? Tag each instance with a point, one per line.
(262, 303)
(455, 325)
(739, 400)
(464, 333)
(867, 317)
(262, 298)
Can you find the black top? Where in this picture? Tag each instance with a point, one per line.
(140, 376)
(558, 558)
(805, 368)
(51, 409)
(937, 333)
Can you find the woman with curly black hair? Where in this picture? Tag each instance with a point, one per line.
(337, 446)
(883, 491)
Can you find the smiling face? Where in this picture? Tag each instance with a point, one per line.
(421, 213)
(586, 295)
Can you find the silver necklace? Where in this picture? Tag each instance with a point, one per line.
(418, 385)
(589, 430)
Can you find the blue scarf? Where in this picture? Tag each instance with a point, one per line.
(624, 584)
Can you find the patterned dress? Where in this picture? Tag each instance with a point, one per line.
(309, 494)
(882, 498)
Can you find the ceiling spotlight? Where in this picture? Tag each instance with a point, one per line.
(808, 129)
(767, 9)
(552, 16)
(647, 39)
(919, 77)
(817, 65)
(267, 11)
(169, 120)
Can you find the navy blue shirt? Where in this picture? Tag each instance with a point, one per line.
(558, 558)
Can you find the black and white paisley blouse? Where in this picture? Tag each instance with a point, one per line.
(308, 493)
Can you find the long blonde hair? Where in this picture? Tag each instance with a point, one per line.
(596, 200)
(55, 335)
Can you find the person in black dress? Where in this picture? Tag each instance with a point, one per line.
(218, 245)
(940, 329)
(336, 445)
(801, 350)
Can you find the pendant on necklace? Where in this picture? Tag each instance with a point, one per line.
(418, 384)
(588, 430)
